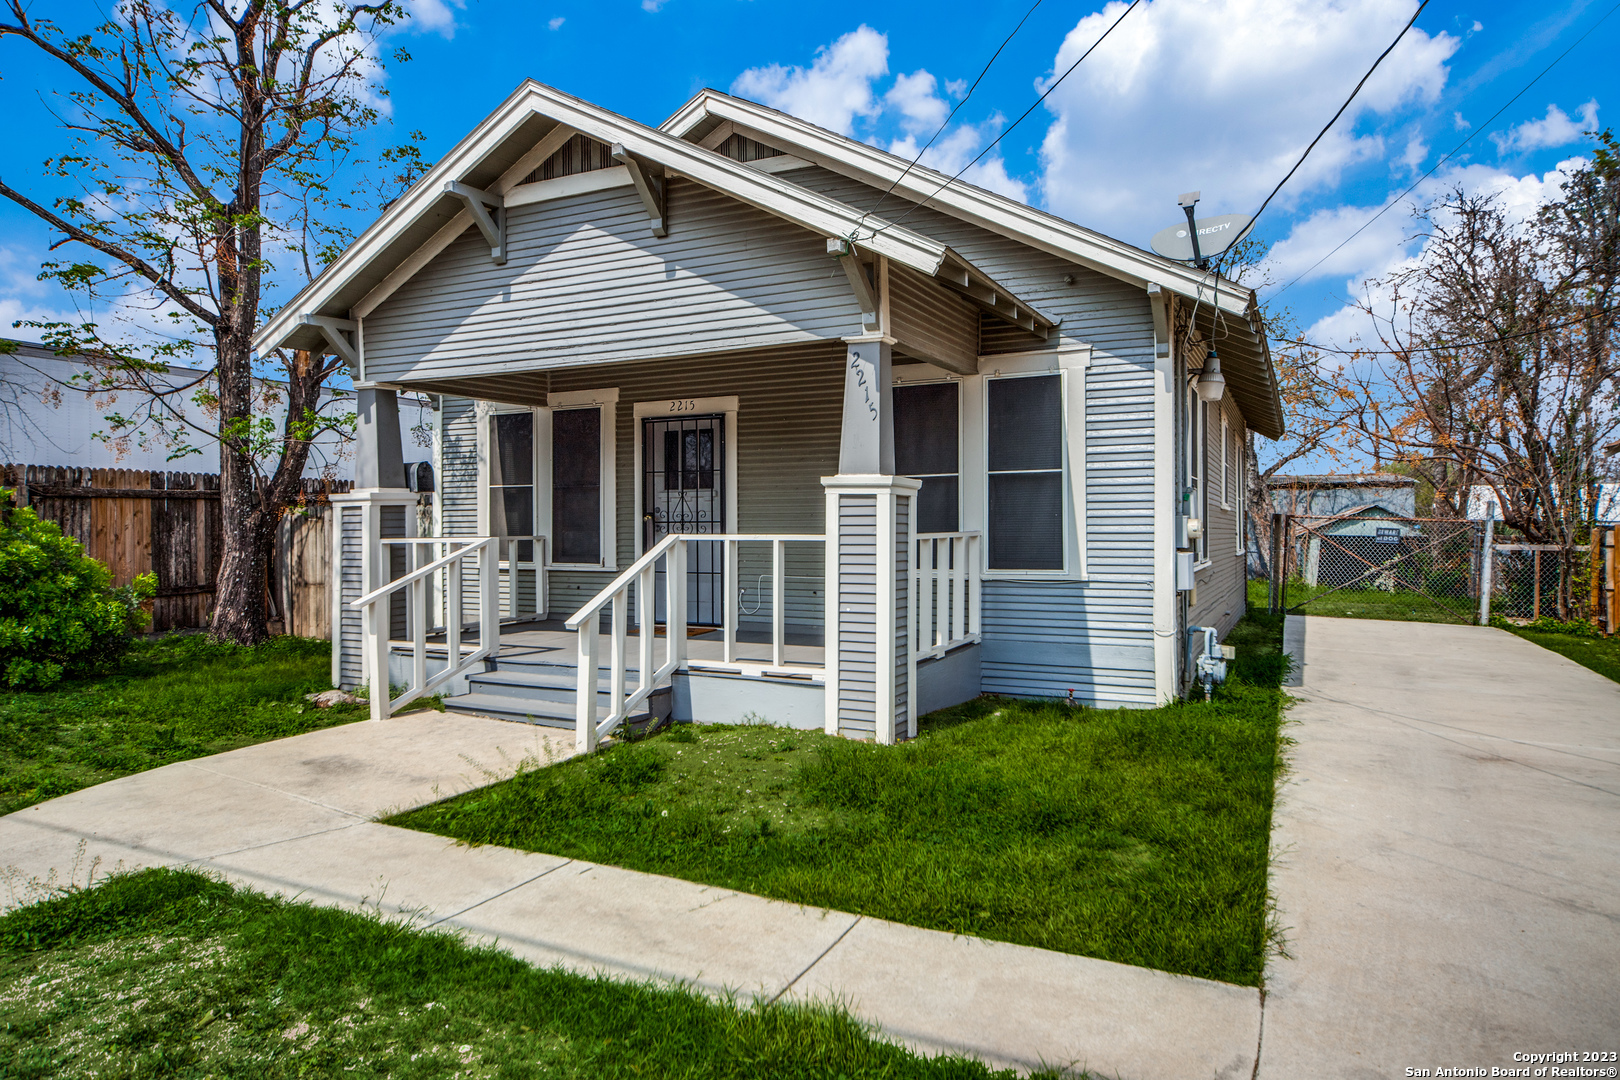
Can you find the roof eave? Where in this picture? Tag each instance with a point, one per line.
(815, 212)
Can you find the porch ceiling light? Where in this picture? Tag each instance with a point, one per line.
(1211, 383)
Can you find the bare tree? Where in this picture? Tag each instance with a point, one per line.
(1498, 365)
(205, 148)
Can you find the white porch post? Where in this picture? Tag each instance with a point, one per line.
(870, 674)
(379, 506)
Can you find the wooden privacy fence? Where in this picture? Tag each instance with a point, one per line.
(136, 520)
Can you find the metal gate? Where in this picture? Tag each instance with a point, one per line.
(1376, 566)
(683, 490)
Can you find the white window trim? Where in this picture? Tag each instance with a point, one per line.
(1241, 542)
(926, 374)
(605, 399)
(708, 406)
(1226, 446)
(1070, 367)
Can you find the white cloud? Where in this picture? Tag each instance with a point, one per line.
(1417, 152)
(838, 91)
(920, 107)
(1458, 122)
(1554, 129)
(833, 90)
(1223, 96)
(654, 6)
(951, 153)
(434, 16)
(556, 24)
(1373, 251)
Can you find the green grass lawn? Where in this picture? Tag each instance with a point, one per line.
(173, 698)
(1367, 604)
(170, 973)
(1577, 642)
(1136, 835)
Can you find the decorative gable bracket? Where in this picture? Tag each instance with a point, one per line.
(652, 187)
(334, 331)
(480, 204)
(859, 283)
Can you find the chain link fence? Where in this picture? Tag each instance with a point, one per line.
(1377, 566)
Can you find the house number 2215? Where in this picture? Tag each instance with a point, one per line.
(683, 406)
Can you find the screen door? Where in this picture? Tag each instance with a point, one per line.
(683, 490)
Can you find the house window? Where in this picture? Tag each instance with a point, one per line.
(576, 485)
(1025, 444)
(927, 447)
(511, 480)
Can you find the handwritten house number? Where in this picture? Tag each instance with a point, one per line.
(859, 368)
(688, 405)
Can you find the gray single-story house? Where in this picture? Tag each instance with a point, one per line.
(851, 441)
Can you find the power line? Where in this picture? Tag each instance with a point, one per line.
(1449, 155)
(1458, 347)
(1008, 130)
(913, 163)
(1321, 134)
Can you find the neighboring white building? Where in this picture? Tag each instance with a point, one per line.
(1482, 503)
(44, 422)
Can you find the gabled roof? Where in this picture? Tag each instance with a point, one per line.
(710, 108)
(500, 153)
(1237, 323)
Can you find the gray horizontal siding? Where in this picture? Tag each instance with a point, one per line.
(585, 282)
(351, 520)
(857, 612)
(1223, 584)
(1045, 637)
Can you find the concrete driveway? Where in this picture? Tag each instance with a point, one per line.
(1447, 857)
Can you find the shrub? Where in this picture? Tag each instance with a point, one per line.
(59, 613)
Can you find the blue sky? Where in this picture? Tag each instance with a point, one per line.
(1217, 95)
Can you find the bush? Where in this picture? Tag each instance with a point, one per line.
(59, 613)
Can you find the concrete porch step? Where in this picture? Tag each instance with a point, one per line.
(543, 713)
(556, 684)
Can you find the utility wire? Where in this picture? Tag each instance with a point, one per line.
(1449, 155)
(1008, 130)
(1321, 134)
(1457, 347)
(913, 163)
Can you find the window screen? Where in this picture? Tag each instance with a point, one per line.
(576, 485)
(1026, 473)
(511, 480)
(926, 448)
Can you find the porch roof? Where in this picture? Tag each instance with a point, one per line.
(500, 153)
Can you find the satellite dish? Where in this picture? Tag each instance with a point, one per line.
(1215, 235)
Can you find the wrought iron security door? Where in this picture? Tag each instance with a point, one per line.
(683, 490)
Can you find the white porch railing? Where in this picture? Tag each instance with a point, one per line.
(376, 608)
(514, 569)
(643, 576)
(945, 593)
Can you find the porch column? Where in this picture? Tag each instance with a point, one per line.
(870, 671)
(379, 506)
(380, 457)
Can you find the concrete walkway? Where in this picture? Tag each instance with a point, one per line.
(1447, 864)
(1447, 855)
(296, 817)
